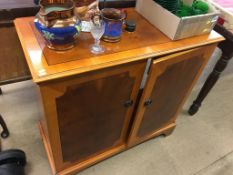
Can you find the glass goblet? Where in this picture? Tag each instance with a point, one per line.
(97, 31)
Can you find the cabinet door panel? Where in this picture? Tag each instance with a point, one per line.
(170, 81)
(90, 113)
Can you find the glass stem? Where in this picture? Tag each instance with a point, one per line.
(97, 42)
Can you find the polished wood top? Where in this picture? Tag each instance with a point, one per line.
(147, 41)
(145, 35)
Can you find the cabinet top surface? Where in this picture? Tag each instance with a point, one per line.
(147, 41)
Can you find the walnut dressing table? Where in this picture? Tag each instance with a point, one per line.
(93, 105)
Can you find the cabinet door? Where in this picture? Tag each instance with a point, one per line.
(89, 115)
(170, 80)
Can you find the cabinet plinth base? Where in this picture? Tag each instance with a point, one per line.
(169, 131)
(165, 131)
(85, 164)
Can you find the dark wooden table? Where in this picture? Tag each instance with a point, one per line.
(14, 67)
(227, 54)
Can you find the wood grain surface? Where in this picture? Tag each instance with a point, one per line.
(83, 108)
(12, 60)
(145, 35)
(171, 79)
(160, 45)
(95, 114)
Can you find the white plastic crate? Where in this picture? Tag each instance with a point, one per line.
(174, 27)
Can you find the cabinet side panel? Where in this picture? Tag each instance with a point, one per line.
(167, 94)
(91, 116)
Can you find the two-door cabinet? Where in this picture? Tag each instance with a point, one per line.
(97, 106)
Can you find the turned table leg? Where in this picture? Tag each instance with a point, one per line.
(0, 91)
(5, 132)
(227, 53)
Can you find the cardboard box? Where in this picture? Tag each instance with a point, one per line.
(226, 9)
(174, 27)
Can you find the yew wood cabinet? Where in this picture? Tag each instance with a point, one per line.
(98, 106)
